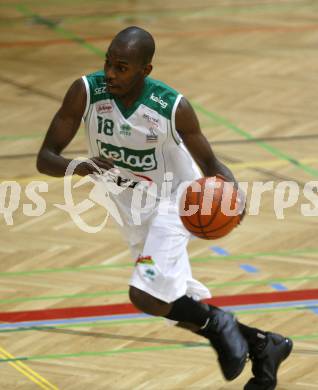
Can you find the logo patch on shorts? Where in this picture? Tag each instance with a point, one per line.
(149, 273)
(145, 260)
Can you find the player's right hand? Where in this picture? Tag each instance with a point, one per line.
(86, 168)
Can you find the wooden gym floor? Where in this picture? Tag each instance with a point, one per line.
(250, 69)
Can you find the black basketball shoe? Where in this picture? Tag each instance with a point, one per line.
(266, 361)
(225, 337)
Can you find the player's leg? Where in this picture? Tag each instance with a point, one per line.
(266, 350)
(162, 285)
(219, 326)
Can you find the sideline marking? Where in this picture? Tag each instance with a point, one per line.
(279, 287)
(26, 371)
(128, 308)
(249, 268)
(271, 149)
(132, 350)
(137, 319)
(133, 317)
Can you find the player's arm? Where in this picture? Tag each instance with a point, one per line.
(188, 127)
(62, 130)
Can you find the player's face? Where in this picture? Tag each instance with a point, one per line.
(124, 70)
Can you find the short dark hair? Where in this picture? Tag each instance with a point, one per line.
(140, 39)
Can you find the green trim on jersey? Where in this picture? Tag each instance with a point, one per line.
(155, 95)
(97, 86)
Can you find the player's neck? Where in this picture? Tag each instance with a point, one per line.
(129, 99)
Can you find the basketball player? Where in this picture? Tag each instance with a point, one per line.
(145, 129)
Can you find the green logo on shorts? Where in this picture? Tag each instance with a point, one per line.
(150, 272)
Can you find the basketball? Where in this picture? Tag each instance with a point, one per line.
(210, 208)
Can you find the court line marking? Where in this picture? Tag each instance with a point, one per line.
(285, 253)
(58, 297)
(130, 350)
(264, 281)
(219, 250)
(115, 319)
(125, 292)
(296, 261)
(270, 163)
(26, 370)
(242, 256)
(249, 268)
(71, 37)
(85, 322)
(127, 308)
(269, 148)
(252, 269)
(217, 9)
(20, 137)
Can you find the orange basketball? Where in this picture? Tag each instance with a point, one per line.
(210, 208)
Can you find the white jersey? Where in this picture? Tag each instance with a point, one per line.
(145, 147)
(142, 140)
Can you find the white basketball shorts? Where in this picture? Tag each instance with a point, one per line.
(162, 268)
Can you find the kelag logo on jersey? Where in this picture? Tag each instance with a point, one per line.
(158, 99)
(136, 160)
